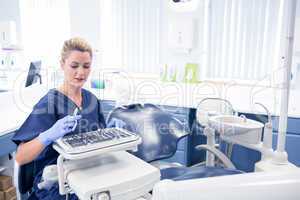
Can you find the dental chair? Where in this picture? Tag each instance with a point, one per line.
(160, 133)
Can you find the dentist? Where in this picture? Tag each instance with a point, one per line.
(53, 116)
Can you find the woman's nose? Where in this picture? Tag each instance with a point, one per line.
(80, 70)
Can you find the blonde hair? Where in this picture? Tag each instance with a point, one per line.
(75, 44)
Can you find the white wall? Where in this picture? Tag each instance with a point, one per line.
(85, 20)
(297, 31)
(9, 10)
(169, 16)
(296, 51)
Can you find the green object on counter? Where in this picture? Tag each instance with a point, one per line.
(191, 73)
(164, 73)
(98, 84)
(168, 73)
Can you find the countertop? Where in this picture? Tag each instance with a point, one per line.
(16, 105)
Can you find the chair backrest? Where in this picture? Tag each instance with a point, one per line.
(25, 178)
(159, 130)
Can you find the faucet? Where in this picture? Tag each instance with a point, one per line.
(267, 111)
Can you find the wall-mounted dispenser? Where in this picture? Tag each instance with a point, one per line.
(181, 35)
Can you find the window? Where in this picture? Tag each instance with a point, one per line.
(244, 38)
(130, 34)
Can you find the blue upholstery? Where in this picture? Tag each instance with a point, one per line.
(25, 177)
(185, 173)
(25, 181)
(159, 130)
(160, 133)
(32, 197)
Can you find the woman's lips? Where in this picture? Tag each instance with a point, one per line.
(79, 79)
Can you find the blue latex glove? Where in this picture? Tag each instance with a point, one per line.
(59, 129)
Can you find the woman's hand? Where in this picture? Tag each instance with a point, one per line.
(59, 129)
(28, 151)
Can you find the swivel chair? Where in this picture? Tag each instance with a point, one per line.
(160, 133)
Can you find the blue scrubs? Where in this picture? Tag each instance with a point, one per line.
(52, 107)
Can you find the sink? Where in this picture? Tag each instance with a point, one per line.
(237, 128)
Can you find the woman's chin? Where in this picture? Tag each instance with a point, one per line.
(78, 84)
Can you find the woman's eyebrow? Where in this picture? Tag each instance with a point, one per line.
(74, 62)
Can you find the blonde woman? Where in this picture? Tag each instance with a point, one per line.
(53, 116)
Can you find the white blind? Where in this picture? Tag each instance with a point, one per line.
(130, 34)
(244, 39)
(45, 25)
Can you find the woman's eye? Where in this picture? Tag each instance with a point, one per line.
(86, 66)
(74, 66)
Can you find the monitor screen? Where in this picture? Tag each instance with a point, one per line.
(34, 73)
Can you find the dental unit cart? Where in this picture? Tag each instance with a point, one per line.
(105, 171)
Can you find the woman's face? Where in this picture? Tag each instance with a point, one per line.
(77, 67)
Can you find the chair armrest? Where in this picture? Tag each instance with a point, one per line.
(220, 155)
(164, 164)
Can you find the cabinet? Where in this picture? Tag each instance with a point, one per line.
(6, 149)
(7, 146)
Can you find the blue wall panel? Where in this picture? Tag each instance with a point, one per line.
(292, 147)
(293, 125)
(6, 145)
(242, 157)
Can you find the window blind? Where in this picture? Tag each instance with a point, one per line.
(244, 38)
(130, 34)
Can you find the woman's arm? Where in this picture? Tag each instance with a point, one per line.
(28, 151)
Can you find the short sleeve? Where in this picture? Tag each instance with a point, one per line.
(40, 119)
